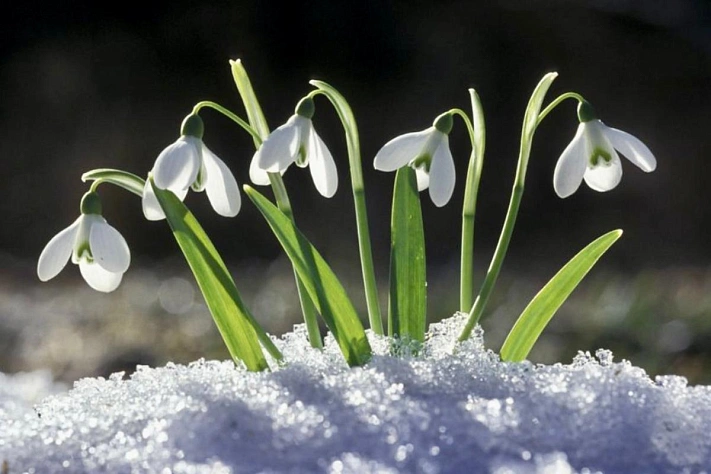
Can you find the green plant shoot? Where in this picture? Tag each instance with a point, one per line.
(530, 122)
(237, 326)
(544, 305)
(259, 123)
(407, 313)
(322, 285)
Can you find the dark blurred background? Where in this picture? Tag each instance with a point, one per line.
(85, 85)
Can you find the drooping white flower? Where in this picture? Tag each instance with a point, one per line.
(296, 142)
(187, 163)
(592, 156)
(100, 250)
(428, 153)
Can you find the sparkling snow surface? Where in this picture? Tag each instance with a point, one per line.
(447, 410)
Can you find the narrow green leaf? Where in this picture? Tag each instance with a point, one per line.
(249, 98)
(408, 294)
(535, 103)
(233, 319)
(541, 309)
(320, 282)
(124, 179)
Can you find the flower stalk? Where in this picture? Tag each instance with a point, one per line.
(477, 135)
(230, 115)
(345, 114)
(258, 123)
(530, 123)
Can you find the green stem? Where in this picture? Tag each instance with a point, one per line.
(477, 135)
(345, 114)
(556, 102)
(229, 114)
(123, 179)
(258, 125)
(530, 123)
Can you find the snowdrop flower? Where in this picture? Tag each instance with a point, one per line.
(592, 155)
(99, 250)
(188, 163)
(428, 153)
(297, 142)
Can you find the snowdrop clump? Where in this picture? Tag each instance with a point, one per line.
(422, 160)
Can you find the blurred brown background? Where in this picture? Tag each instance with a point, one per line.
(86, 86)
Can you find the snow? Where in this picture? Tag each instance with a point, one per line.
(447, 408)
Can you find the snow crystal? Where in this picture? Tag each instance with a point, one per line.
(437, 407)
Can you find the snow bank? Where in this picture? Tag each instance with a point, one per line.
(446, 410)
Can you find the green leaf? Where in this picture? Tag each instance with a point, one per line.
(123, 179)
(408, 294)
(530, 118)
(541, 309)
(238, 328)
(320, 282)
(249, 98)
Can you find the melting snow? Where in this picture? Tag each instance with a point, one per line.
(451, 409)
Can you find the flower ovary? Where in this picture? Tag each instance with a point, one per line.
(305, 107)
(90, 203)
(444, 123)
(193, 126)
(586, 113)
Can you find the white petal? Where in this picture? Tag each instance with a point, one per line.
(442, 174)
(98, 278)
(322, 166)
(257, 175)
(401, 150)
(151, 206)
(279, 150)
(177, 166)
(571, 165)
(633, 149)
(423, 178)
(56, 253)
(109, 248)
(221, 185)
(604, 176)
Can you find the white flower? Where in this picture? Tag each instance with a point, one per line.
(189, 163)
(428, 153)
(100, 251)
(592, 156)
(296, 142)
